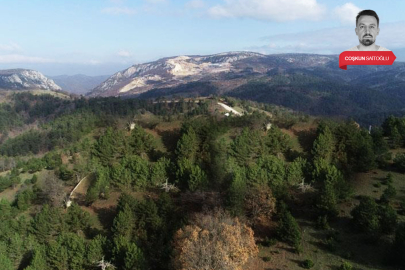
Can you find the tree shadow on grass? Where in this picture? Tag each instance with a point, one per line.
(306, 138)
(106, 216)
(169, 138)
(289, 249)
(334, 267)
(298, 262)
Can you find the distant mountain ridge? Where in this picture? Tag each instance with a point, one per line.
(78, 84)
(309, 83)
(175, 71)
(25, 79)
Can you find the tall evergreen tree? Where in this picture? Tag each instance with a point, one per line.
(324, 145)
(288, 229)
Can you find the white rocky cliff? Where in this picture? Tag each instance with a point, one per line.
(22, 79)
(222, 68)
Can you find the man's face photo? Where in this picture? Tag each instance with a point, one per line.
(367, 30)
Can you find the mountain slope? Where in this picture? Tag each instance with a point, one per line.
(175, 71)
(22, 79)
(306, 82)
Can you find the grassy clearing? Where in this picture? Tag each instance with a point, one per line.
(10, 193)
(295, 144)
(159, 146)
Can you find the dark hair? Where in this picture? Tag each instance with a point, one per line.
(368, 12)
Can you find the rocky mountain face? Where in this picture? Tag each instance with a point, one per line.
(227, 70)
(23, 79)
(78, 84)
(308, 83)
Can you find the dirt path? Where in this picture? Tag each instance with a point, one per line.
(78, 194)
(229, 109)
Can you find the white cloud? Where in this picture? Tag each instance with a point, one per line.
(270, 10)
(124, 53)
(18, 58)
(156, 1)
(195, 4)
(118, 11)
(330, 41)
(26, 59)
(325, 41)
(347, 13)
(391, 35)
(10, 47)
(92, 62)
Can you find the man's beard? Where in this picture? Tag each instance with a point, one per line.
(367, 41)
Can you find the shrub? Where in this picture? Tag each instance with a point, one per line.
(331, 244)
(307, 264)
(388, 219)
(389, 179)
(322, 222)
(388, 194)
(267, 258)
(377, 185)
(399, 162)
(269, 242)
(34, 179)
(345, 266)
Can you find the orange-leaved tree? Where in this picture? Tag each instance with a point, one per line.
(213, 241)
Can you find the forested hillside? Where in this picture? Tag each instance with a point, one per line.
(178, 184)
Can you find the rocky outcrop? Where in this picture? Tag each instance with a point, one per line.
(23, 79)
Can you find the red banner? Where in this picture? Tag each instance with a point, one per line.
(365, 58)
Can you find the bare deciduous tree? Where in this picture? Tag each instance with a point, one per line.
(259, 204)
(214, 241)
(104, 265)
(52, 190)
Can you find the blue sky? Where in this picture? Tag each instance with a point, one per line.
(101, 37)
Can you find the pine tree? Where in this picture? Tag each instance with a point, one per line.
(274, 168)
(138, 169)
(5, 262)
(140, 141)
(288, 229)
(75, 250)
(327, 202)
(324, 145)
(76, 218)
(395, 138)
(95, 249)
(365, 216)
(189, 175)
(188, 145)
(124, 223)
(296, 170)
(276, 141)
(247, 146)
(39, 259)
(158, 172)
(110, 146)
(237, 192)
(127, 255)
